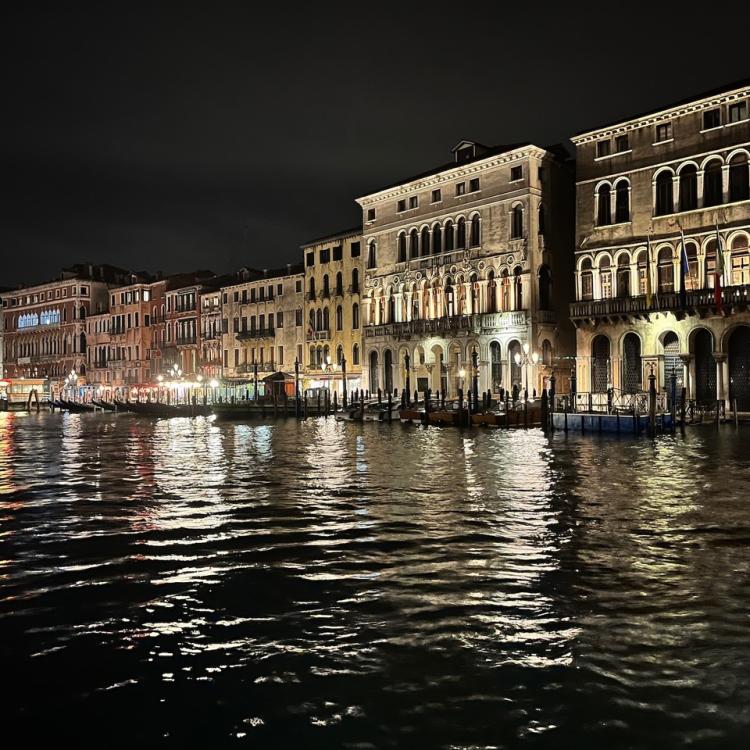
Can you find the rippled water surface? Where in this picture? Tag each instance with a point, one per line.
(196, 583)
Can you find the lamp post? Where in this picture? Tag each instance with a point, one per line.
(525, 360)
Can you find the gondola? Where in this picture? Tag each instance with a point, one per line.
(104, 405)
(76, 407)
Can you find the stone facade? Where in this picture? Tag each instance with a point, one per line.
(647, 188)
(332, 314)
(262, 323)
(473, 256)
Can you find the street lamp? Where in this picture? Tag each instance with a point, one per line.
(526, 360)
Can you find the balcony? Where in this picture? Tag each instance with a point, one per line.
(255, 333)
(186, 341)
(700, 302)
(323, 335)
(184, 308)
(482, 323)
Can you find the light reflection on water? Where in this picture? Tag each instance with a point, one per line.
(330, 584)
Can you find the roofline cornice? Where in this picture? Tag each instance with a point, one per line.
(660, 115)
(460, 170)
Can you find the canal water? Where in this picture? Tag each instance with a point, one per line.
(192, 583)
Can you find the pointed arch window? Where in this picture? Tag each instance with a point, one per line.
(475, 231)
(604, 206)
(516, 231)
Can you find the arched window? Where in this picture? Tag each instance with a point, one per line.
(448, 236)
(425, 241)
(600, 378)
(688, 188)
(355, 316)
(492, 292)
(449, 301)
(355, 354)
(516, 224)
(339, 354)
(82, 313)
(631, 364)
(355, 281)
(517, 289)
(604, 206)
(340, 284)
(402, 247)
(326, 289)
(312, 320)
(461, 234)
(391, 308)
(622, 201)
(709, 268)
(413, 243)
(664, 195)
(475, 235)
(497, 366)
(388, 370)
(326, 319)
(339, 318)
(739, 181)
(643, 271)
(623, 276)
(665, 270)
(605, 278)
(374, 372)
(587, 280)
(544, 288)
(371, 255)
(691, 280)
(312, 288)
(740, 261)
(712, 184)
(319, 320)
(436, 239)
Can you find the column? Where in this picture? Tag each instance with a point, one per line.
(721, 369)
(699, 184)
(688, 374)
(725, 183)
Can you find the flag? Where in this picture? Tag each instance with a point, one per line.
(648, 274)
(684, 270)
(719, 270)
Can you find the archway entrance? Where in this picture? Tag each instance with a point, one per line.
(599, 364)
(388, 370)
(516, 373)
(497, 367)
(739, 368)
(705, 367)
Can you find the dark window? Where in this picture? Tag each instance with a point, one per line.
(311, 259)
(664, 196)
(413, 243)
(436, 239)
(474, 185)
(298, 317)
(621, 143)
(663, 132)
(371, 255)
(401, 205)
(437, 196)
(517, 223)
(688, 188)
(516, 173)
(738, 179)
(604, 207)
(402, 248)
(711, 119)
(461, 188)
(712, 187)
(338, 252)
(475, 234)
(355, 250)
(325, 255)
(448, 235)
(603, 148)
(461, 234)
(622, 202)
(370, 214)
(425, 241)
(413, 201)
(738, 112)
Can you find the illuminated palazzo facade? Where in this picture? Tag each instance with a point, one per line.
(656, 194)
(333, 318)
(472, 256)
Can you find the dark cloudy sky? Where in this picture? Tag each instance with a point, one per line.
(160, 137)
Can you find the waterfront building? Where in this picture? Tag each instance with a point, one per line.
(45, 324)
(471, 256)
(262, 322)
(124, 343)
(656, 194)
(182, 342)
(210, 333)
(332, 313)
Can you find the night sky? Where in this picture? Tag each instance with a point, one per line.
(173, 139)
